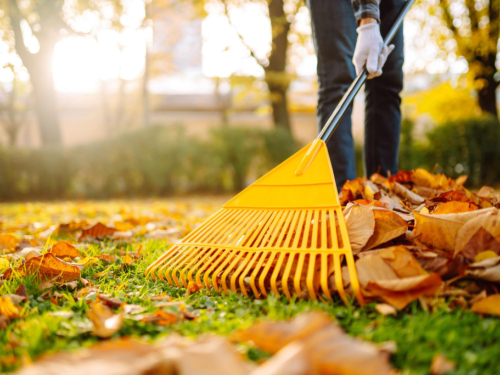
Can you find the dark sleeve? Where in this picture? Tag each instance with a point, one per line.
(366, 9)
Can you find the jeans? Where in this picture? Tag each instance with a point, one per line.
(334, 36)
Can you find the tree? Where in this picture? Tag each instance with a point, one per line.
(474, 26)
(275, 64)
(47, 21)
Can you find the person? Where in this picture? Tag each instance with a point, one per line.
(347, 37)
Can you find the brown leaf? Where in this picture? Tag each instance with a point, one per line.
(48, 267)
(402, 176)
(385, 309)
(97, 231)
(117, 357)
(106, 322)
(485, 192)
(8, 243)
(490, 305)
(379, 277)
(63, 249)
(291, 360)
(479, 234)
(407, 194)
(360, 222)
(454, 207)
(440, 231)
(109, 301)
(21, 291)
(193, 287)
(72, 226)
(161, 317)
(441, 366)
(388, 225)
(327, 347)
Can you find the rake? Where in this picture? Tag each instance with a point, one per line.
(284, 233)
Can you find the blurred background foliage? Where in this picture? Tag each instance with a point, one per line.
(126, 98)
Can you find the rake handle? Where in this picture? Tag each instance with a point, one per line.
(348, 97)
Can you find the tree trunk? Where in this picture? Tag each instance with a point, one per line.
(39, 67)
(276, 76)
(486, 95)
(46, 110)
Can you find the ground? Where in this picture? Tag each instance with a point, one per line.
(469, 340)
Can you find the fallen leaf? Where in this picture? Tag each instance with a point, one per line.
(385, 309)
(106, 322)
(8, 308)
(488, 269)
(291, 360)
(351, 190)
(454, 207)
(48, 267)
(422, 177)
(479, 234)
(379, 279)
(97, 231)
(109, 301)
(4, 264)
(483, 255)
(161, 317)
(402, 176)
(64, 249)
(360, 222)
(440, 231)
(193, 287)
(388, 225)
(327, 347)
(8, 243)
(441, 366)
(123, 226)
(490, 305)
(407, 194)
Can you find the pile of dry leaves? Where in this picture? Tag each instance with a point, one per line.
(420, 235)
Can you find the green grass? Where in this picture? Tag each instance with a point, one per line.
(461, 336)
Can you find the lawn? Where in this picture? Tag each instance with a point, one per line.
(54, 317)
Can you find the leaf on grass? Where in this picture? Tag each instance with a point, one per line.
(479, 234)
(47, 267)
(328, 349)
(8, 243)
(489, 305)
(97, 231)
(123, 226)
(72, 226)
(8, 308)
(388, 225)
(109, 301)
(160, 317)
(193, 287)
(106, 322)
(454, 207)
(441, 366)
(385, 309)
(378, 275)
(4, 264)
(63, 249)
(360, 222)
(440, 231)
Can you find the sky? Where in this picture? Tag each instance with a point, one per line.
(81, 62)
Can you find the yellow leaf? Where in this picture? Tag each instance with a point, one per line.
(454, 207)
(4, 264)
(490, 305)
(488, 254)
(8, 243)
(97, 231)
(123, 226)
(106, 322)
(7, 308)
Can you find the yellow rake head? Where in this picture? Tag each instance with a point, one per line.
(285, 233)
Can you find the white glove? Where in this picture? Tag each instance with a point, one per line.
(370, 50)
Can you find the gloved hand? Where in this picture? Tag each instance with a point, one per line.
(370, 50)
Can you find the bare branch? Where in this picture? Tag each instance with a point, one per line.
(252, 52)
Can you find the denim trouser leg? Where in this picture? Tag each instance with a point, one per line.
(383, 103)
(334, 35)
